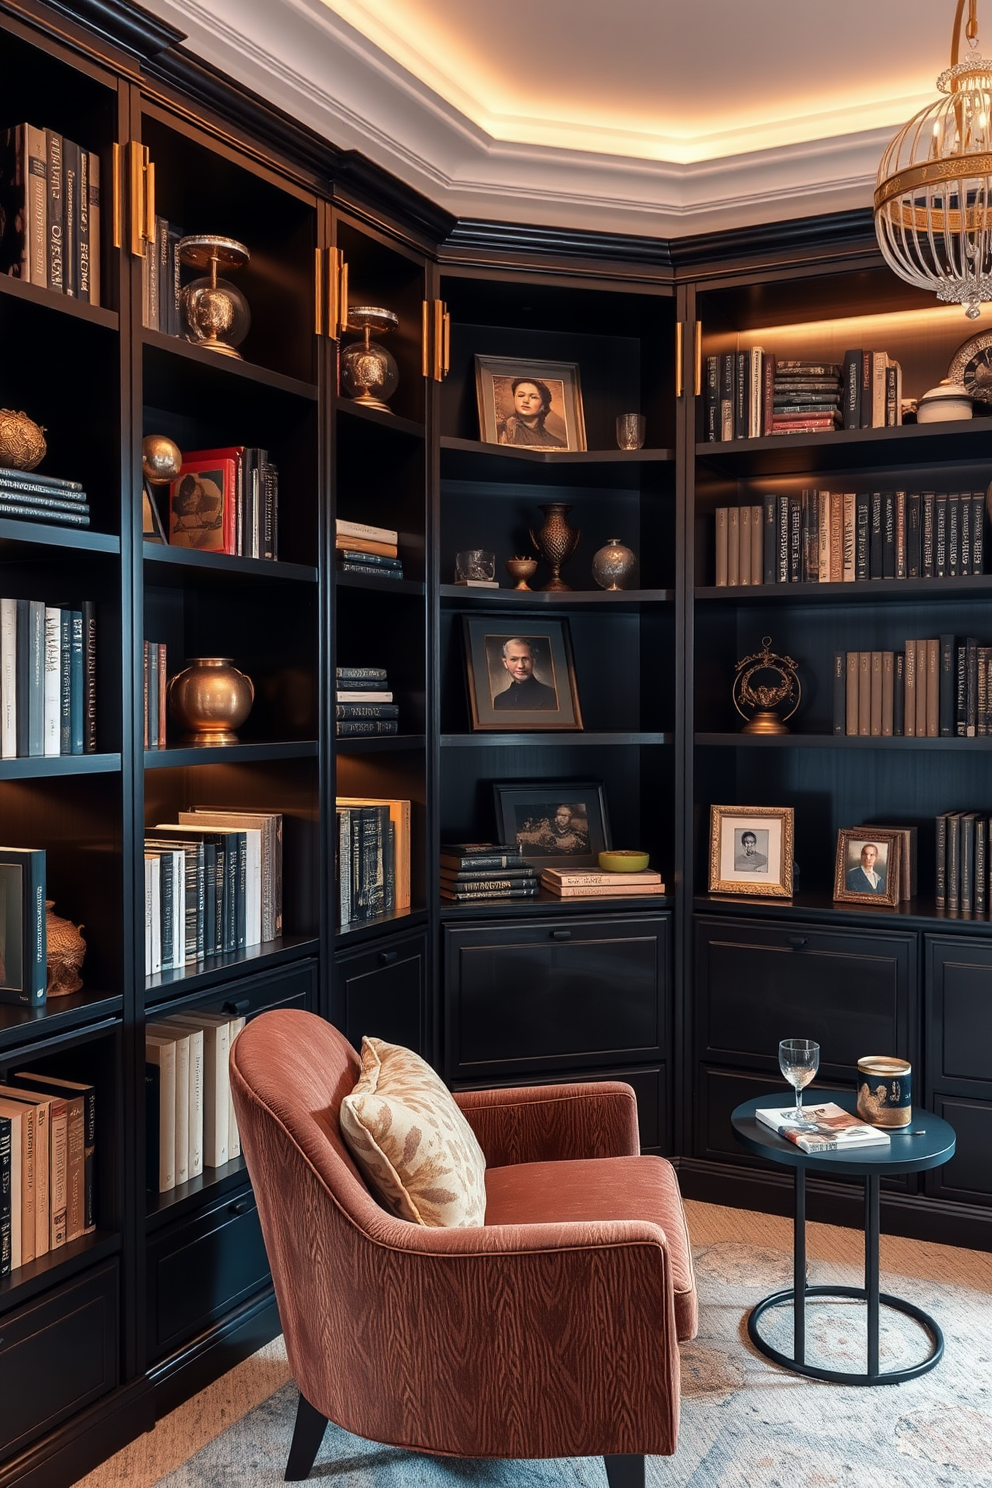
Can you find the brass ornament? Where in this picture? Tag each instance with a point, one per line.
(210, 700)
(369, 374)
(22, 441)
(766, 691)
(66, 949)
(215, 312)
(521, 569)
(161, 459)
(555, 541)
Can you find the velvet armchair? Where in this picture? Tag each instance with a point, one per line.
(551, 1331)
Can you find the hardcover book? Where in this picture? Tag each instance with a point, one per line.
(23, 935)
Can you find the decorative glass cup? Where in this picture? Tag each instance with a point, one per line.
(630, 430)
(475, 564)
(799, 1060)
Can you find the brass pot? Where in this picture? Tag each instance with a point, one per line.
(210, 700)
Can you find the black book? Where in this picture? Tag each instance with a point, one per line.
(953, 536)
(840, 692)
(940, 894)
(88, 608)
(84, 282)
(376, 683)
(862, 535)
(56, 219)
(927, 502)
(795, 540)
(6, 1206)
(954, 861)
(355, 555)
(44, 512)
(460, 896)
(782, 576)
(967, 862)
(728, 380)
(33, 480)
(946, 699)
(361, 676)
(70, 234)
(366, 710)
(476, 877)
(899, 695)
(914, 547)
(166, 907)
(978, 532)
(462, 856)
(24, 965)
(354, 728)
(971, 687)
(940, 536)
(982, 711)
(769, 536)
(270, 511)
(809, 369)
(865, 406)
(964, 533)
(43, 498)
(798, 382)
(877, 538)
(742, 394)
(981, 864)
(711, 410)
(889, 535)
(960, 691)
(809, 401)
(852, 389)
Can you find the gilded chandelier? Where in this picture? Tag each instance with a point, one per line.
(933, 202)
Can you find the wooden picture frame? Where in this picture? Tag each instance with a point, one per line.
(752, 850)
(868, 866)
(545, 416)
(520, 679)
(555, 823)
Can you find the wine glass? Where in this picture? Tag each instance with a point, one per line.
(799, 1060)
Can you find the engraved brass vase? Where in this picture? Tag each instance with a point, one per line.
(555, 541)
(210, 700)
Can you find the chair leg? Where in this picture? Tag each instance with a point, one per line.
(625, 1472)
(308, 1434)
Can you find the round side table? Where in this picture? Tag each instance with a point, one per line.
(926, 1143)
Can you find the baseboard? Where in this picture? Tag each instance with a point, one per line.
(84, 1441)
(214, 1352)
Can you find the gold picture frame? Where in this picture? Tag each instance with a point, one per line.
(752, 850)
(856, 866)
(529, 404)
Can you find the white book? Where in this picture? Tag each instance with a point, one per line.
(216, 1085)
(363, 697)
(153, 914)
(233, 1135)
(187, 1023)
(8, 678)
(41, 1106)
(182, 1042)
(160, 1051)
(53, 680)
(362, 529)
(826, 1128)
(10, 1096)
(16, 1115)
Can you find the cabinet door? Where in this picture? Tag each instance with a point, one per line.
(549, 995)
(381, 990)
(959, 1083)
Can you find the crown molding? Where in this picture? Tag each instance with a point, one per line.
(128, 26)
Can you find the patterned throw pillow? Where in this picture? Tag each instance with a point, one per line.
(411, 1142)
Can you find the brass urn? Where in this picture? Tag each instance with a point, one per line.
(555, 541)
(210, 700)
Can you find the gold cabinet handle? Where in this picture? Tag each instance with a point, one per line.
(442, 340)
(318, 293)
(150, 233)
(137, 198)
(333, 291)
(679, 345)
(343, 298)
(425, 365)
(446, 352)
(115, 189)
(698, 358)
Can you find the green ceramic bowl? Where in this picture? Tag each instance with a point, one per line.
(620, 861)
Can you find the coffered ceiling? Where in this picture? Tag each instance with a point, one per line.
(646, 116)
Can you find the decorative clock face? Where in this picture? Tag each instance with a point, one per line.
(972, 365)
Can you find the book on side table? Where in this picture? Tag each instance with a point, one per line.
(826, 1128)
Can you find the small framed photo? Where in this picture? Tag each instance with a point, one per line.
(557, 823)
(520, 679)
(868, 866)
(201, 507)
(529, 405)
(152, 529)
(751, 850)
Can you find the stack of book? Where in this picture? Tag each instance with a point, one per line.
(47, 1161)
(750, 394)
(50, 212)
(43, 498)
(485, 870)
(872, 390)
(593, 883)
(154, 675)
(213, 884)
(226, 501)
(189, 1115)
(373, 551)
(806, 398)
(963, 839)
(47, 678)
(363, 702)
(372, 858)
(940, 687)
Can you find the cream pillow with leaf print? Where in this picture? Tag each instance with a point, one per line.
(412, 1144)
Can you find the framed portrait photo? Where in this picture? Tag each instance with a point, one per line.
(520, 679)
(868, 864)
(529, 405)
(751, 850)
(556, 823)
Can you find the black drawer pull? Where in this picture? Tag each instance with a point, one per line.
(240, 1206)
(236, 1006)
(561, 935)
(798, 941)
(386, 958)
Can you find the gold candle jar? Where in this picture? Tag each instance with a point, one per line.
(885, 1090)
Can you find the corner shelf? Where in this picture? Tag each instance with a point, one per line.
(472, 460)
(376, 417)
(551, 739)
(205, 365)
(617, 599)
(227, 754)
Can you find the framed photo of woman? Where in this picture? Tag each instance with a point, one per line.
(530, 405)
(751, 850)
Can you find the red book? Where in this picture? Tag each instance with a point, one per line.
(202, 503)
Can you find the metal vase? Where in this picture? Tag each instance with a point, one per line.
(555, 542)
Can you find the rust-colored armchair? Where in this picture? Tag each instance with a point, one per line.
(552, 1331)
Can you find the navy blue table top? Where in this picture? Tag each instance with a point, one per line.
(926, 1142)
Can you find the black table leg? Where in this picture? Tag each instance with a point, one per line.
(799, 1268)
(872, 1227)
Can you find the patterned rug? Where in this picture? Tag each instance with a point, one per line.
(745, 1423)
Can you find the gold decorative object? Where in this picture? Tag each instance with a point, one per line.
(161, 459)
(933, 202)
(66, 949)
(22, 441)
(764, 683)
(210, 700)
(885, 1090)
(216, 313)
(613, 565)
(368, 371)
(521, 569)
(555, 542)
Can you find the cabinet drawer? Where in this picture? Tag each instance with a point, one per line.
(57, 1355)
(650, 1087)
(853, 991)
(967, 1177)
(550, 994)
(293, 986)
(959, 1014)
(199, 1268)
(381, 990)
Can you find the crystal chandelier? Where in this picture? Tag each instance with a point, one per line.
(933, 202)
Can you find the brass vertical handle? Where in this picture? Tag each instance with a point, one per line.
(446, 351)
(442, 340)
(318, 293)
(679, 347)
(150, 232)
(343, 297)
(115, 190)
(425, 365)
(333, 291)
(698, 358)
(137, 198)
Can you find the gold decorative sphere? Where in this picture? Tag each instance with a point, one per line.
(161, 458)
(22, 441)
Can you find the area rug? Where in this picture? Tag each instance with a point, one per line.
(745, 1422)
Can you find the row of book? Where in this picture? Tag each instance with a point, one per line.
(189, 1115)
(47, 1158)
(938, 688)
(485, 870)
(43, 498)
(363, 702)
(224, 501)
(50, 212)
(593, 883)
(373, 551)
(834, 537)
(213, 885)
(47, 678)
(750, 394)
(963, 879)
(371, 858)
(154, 692)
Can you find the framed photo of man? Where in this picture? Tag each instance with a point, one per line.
(557, 823)
(751, 850)
(529, 405)
(867, 870)
(520, 679)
